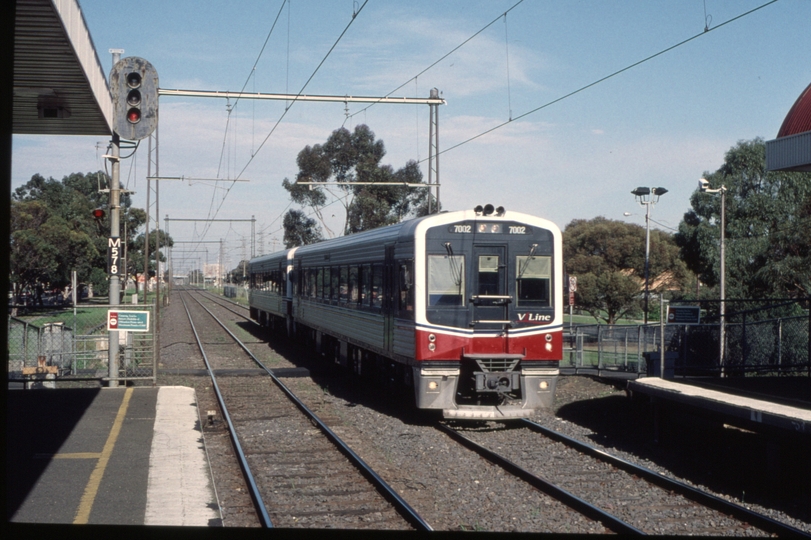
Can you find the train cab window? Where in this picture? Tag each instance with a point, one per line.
(377, 286)
(534, 276)
(353, 285)
(488, 275)
(446, 280)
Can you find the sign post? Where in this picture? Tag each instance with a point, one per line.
(683, 315)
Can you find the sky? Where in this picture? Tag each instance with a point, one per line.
(566, 148)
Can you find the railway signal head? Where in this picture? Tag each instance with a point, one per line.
(134, 89)
(98, 214)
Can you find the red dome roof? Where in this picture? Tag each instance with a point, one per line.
(798, 119)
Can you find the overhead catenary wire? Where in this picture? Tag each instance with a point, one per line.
(289, 106)
(351, 116)
(443, 57)
(704, 31)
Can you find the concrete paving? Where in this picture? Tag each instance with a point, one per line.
(112, 456)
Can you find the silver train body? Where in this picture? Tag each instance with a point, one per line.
(465, 307)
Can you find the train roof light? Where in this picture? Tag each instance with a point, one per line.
(500, 211)
(478, 210)
(488, 209)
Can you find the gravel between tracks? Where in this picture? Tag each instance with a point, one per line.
(439, 479)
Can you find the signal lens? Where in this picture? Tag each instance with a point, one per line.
(133, 79)
(134, 98)
(98, 213)
(133, 116)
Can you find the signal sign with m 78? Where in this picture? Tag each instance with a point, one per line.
(114, 255)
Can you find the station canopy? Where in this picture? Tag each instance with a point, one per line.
(791, 150)
(59, 86)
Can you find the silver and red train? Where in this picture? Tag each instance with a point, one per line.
(465, 307)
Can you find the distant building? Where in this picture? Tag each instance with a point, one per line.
(791, 150)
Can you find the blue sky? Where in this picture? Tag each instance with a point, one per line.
(661, 123)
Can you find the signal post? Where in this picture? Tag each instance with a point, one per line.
(134, 91)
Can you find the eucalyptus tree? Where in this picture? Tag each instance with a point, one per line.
(351, 163)
(54, 231)
(768, 227)
(608, 259)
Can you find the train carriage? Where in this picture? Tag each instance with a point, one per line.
(463, 306)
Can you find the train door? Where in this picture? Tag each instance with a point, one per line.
(489, 298)
(389, 293)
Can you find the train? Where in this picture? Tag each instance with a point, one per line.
(465, 307)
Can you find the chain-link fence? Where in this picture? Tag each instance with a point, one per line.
(779, 346)
(73, 344)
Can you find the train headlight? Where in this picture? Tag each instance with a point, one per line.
(432, 346)
(548, 347)
(544, 385)
(432, 385)
(431, 338)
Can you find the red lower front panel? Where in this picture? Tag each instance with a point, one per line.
(546, 346)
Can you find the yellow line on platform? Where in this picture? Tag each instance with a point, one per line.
(92, 487)
(70, 455)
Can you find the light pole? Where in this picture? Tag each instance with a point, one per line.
(704, 187)
(647, 197)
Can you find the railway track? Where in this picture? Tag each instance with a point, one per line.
(299, 473)
(625, 497)
(456, 489)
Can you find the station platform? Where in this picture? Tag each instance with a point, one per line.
(780, 405)
(107, 456)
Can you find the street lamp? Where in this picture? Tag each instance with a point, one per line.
(647, 197)
(704, 187)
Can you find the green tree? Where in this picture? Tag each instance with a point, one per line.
(44, 250)
(608, 258)
(353, 161)
(135, 255)
(768, 227)
(53, 231)
(239, 274)
(299, 230)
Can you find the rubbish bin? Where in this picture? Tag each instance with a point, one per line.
(654, 365)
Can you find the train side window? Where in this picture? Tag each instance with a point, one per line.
(534, 276)
(365, 285)
(320, 283)
(377, 286)
(335, 278)
(446, 280)
(343, 296)
(312, 275)
(353, 285)
(406, 299)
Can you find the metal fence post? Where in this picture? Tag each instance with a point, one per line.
(599, 346)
